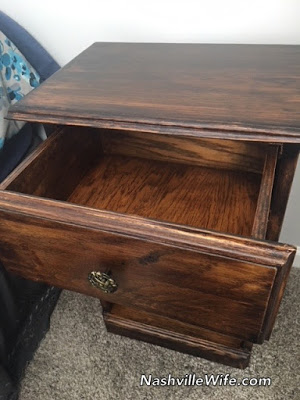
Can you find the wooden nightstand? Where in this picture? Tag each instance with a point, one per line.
(163, 190)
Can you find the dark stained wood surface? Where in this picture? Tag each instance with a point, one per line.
(261, 218)
(282, 185)
(68, 167)
(276, 297)
(60, 244)
(151, 319)
(165, 110)
(187, 238)
(216, 153)
(178, 336)
(219, 91)
(55, 168)
(284, 176)
(196, 196)
(221, 294)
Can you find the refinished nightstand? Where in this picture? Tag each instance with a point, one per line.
(163, 189)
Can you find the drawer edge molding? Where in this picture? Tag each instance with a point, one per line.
(269, 254)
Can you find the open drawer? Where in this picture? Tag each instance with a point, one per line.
(172, 222)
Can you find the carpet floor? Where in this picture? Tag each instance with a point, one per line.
(78, 359)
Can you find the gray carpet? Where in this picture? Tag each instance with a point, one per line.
(78, 359)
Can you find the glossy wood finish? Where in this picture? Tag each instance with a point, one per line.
(219, 154)
(284, 176)
(171, 192)
(55, 168)
(202, 139)
(177, 335)
(242, 92)
(187, 238)
(147, 271)
(142, 187)
(261, 219)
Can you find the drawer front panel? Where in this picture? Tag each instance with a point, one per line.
(216, 292)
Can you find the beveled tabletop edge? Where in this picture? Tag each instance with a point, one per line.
(212, 131)
(215, 130)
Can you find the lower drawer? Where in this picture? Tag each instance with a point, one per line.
(224, 283)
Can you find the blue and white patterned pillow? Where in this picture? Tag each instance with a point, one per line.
(17, 78)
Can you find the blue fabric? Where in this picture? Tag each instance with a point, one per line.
(17, 78)
(16, 147)
(37, 56)
(14, 150)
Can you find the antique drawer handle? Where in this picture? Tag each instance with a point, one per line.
(102, 281)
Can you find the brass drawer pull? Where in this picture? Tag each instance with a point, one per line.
(102, 281)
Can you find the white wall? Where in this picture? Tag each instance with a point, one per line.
(65, 28)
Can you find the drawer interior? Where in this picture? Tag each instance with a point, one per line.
(208, 184)
(184, 194)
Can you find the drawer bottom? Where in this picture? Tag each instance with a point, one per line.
(177, 335)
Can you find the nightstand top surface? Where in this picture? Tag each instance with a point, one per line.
(244, 92)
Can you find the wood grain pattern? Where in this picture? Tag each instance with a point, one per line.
(151, 319)
(202, 197)
(242, 92)
(276, 297)
(261, 218)
(230, 296)
(184, 237)
(68, 167)
(54, 169)
(178, 336)
(284, 176)
(221, 154)
(148, 276)
(156, 197)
